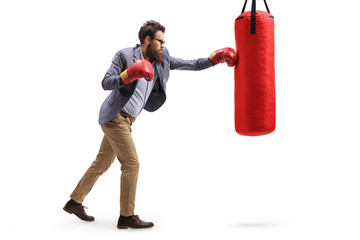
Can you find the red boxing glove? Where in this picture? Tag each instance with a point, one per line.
(139, 69)
(227, 55)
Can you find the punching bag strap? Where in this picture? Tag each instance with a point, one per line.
(253, 18)
(267, 7)
(243, 10)
(253, 15)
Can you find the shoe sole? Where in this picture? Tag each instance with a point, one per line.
(122, 227)
(126, 227)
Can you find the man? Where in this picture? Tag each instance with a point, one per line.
(137, 78)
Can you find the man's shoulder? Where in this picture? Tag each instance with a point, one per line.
(129, 51)
(165, 51)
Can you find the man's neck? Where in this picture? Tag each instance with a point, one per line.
(143, 51)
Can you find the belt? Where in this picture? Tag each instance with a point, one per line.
(125, 115)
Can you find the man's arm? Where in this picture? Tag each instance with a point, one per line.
(182, 64)
(116, 78)
(223, 55)
(112, 78)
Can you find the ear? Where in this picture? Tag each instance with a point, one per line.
(147, 40)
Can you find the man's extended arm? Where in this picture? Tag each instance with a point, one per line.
(227, 55)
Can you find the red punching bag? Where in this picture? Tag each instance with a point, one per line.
(254, 72)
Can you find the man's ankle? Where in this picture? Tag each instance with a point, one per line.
(72, 201)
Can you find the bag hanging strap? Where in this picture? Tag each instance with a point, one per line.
(253, 18)
(253, 15)
(267, 7)
(243, 10)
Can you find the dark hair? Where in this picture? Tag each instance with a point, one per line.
(149, 29)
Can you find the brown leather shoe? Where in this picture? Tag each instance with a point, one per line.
(133, 222)
(78, 210)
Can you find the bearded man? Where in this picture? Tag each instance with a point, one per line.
(137, 79)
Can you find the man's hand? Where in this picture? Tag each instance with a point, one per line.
(227, 55)
(139, 69)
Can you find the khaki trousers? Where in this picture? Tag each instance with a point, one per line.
(117, 142)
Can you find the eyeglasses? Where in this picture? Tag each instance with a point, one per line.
(162, 42)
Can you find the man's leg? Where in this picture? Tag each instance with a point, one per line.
(118, 133)
(102, 163)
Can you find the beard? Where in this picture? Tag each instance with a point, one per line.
(154, 55)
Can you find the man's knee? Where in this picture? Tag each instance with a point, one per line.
(130, 166)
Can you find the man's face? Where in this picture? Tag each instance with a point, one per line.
(154, 50)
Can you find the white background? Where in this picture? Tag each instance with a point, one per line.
(198, 178)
